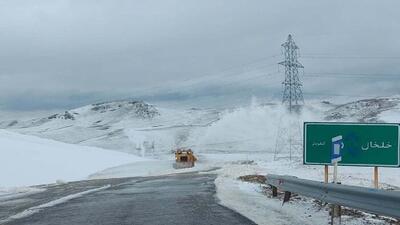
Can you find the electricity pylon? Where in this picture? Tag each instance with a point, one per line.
(289, 132)
(292, 93)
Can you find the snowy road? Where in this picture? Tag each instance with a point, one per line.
(175, 199)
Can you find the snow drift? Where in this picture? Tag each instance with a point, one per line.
(28, 160)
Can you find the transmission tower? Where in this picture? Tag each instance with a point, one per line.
(292, 93)
(289, 136)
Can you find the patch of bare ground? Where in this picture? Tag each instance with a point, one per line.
(259, 179)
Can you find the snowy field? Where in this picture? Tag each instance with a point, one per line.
(27, 160)
(250, 200)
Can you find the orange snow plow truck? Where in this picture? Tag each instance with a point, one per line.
(184, 158)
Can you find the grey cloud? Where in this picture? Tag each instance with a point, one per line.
(115, 49)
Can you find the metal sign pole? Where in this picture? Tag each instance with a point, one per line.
(326, 174)
(337, 145)
(376, 177)
(335, 172)
(336, 210)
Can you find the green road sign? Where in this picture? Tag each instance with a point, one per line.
(351, 144)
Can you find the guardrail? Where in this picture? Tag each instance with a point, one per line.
(381, 202)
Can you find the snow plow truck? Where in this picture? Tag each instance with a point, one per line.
(184, 158)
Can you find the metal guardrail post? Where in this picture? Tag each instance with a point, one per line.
(274, 191)
(287, 196)
(336, 213)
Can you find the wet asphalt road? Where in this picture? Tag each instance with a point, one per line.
(175, 199)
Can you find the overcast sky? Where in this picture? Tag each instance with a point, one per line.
(62, 53)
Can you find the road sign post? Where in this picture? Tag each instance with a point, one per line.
(326, 174)
(336, 145)
(376, 177)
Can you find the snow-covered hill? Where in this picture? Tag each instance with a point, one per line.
(113, 111)
(365, 110)
(127, 126)
(28, 160)
(140, 128)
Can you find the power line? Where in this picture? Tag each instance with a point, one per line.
(328, 56)
(226, 142)
(339, 95)
(260, 62)
(254, 65)
(263, 75)
(351, 75)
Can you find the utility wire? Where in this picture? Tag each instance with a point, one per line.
(263, 75)
(226, 142)
(257, 64)
(351, 75)
(339, 95)
(260, 65)
(339, 56)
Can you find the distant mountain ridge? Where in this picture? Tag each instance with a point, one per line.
(114, 124)
(365, 110)
(136, 109)
(131, 126)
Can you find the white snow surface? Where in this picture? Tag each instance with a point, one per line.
(249, 199)
(27, 160)
(118, 126)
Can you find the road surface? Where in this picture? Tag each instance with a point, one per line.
(174, 199)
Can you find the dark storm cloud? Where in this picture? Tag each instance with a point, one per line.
(53, 50)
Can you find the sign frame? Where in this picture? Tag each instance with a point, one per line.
(353, 124)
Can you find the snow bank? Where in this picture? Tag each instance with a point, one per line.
(391, 116)
(7, 193)
(249, 199)
(27, 160)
